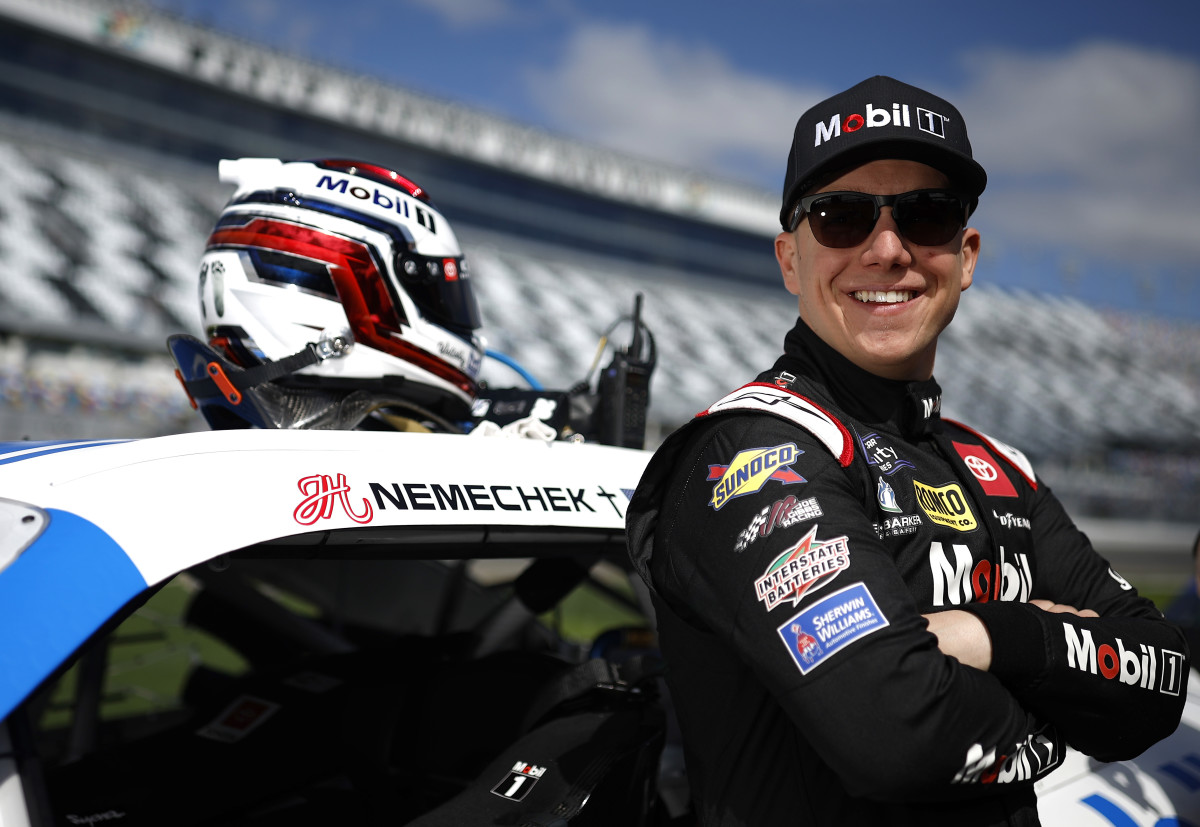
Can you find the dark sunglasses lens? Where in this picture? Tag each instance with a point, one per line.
(843, 220)
(929, 218)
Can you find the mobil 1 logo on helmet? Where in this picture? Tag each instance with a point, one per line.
(899, 114)
(388, 201)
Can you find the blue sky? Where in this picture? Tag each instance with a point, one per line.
(1086, 115)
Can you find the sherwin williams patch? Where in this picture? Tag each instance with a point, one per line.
(830, 625)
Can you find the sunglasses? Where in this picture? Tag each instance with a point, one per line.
(846, 219)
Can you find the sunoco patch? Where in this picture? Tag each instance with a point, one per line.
(750, 470)
(830, 625)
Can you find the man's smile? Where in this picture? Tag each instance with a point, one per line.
(884, 296)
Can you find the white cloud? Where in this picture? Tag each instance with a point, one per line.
(1088, 150)
(1092, 148)
(621, 87)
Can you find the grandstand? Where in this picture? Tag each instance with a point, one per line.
(112, 119)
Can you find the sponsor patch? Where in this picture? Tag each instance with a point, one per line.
(519, 781)
(985, 469)
(900, 526)
(750, 470)
(881, 455)
(931, 405)
(959, 578)
(1010, 520)
(1145, 666)
(804, 568)
(946, 505)
(783, 513)
(1019, 461)
(887, 497)
(1037, 755)
(830, 625)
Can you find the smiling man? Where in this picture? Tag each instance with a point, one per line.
(870, 614)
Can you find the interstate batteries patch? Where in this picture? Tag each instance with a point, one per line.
(750, 470)
(803, 568)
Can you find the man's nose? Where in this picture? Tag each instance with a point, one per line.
(886, 246)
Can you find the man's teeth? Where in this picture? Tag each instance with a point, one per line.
(884, 296)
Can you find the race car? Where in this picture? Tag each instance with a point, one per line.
(267, 627)
(261, 627)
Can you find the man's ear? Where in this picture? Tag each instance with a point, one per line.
(787, 253)
(970, 255)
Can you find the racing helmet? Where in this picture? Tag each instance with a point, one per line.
(331, 276)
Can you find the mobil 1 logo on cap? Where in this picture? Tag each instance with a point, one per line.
(897, 115)
(519, 782)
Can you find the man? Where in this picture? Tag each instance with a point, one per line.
(872, 615)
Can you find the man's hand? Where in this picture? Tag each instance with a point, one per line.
(962, 635)
(1051, 606)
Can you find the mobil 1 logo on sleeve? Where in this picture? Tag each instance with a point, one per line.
(519, 782)
(1141, 665)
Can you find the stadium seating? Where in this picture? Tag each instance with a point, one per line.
(97, 266)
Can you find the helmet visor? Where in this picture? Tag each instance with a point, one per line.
(441, 290)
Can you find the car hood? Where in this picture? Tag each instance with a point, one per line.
(87, 526)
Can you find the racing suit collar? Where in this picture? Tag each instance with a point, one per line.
(912, 406)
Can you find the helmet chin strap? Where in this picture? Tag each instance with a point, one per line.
(231, 381)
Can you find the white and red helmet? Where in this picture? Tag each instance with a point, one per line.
(350, 259)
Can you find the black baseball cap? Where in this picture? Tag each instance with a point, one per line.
(879, 118)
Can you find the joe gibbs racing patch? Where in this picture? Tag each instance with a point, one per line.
(783, 513)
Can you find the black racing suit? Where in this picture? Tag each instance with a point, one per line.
(792, 537)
